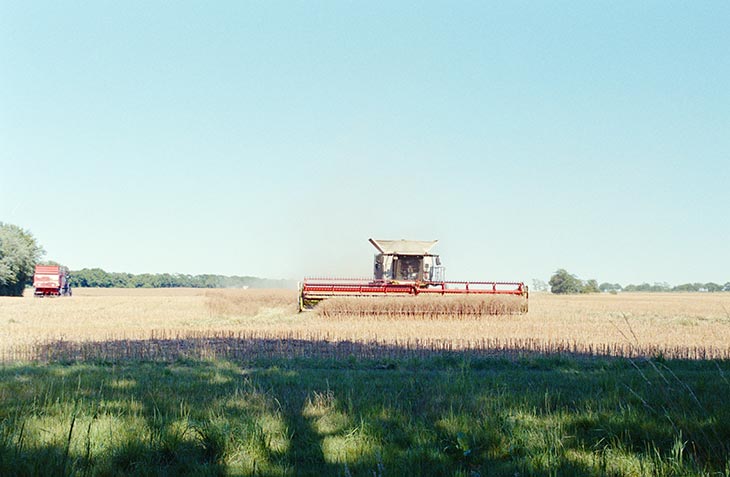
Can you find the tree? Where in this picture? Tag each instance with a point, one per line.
(563, 282)
(610, 287)
(713, 287)
(539, 285)
(19, 253)
(688, 287)
(590, 286)
(645, 287)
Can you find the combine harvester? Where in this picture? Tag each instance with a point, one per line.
(51, 280)
(409, 280)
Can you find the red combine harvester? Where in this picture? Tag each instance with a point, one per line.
(51, 280)
(403, 268)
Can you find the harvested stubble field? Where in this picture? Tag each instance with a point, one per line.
(165, 322)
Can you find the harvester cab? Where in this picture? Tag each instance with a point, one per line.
(407, 261)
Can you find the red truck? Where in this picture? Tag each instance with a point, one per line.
(51, 280)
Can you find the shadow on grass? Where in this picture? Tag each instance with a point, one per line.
(242, 346)
(275, 408)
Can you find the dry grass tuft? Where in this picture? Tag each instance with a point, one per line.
(422, 307)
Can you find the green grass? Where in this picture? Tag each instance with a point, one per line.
(445, 415)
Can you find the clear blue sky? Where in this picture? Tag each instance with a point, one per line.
(274, 138)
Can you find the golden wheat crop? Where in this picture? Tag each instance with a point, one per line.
(164, 322)
(421, 307)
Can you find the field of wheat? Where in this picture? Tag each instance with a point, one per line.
(694, 326)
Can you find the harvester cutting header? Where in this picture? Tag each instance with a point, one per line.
(407, 268)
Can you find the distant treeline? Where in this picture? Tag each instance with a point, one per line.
(665, 287)
(563, 282)
(98, 278)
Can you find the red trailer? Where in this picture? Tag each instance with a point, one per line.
(51, 280)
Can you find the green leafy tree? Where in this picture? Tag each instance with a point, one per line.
(688, 287)
(590, 286)
(19, 253)
(656, 287)
(563, 282)
(713, 287)
(609, 287)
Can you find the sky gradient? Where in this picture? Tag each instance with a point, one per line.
(274, 138)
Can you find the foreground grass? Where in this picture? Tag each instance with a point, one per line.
(446, 415)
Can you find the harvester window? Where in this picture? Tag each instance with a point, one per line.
(409, 268)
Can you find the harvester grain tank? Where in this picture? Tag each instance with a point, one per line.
(51, 280)
(404, 268)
